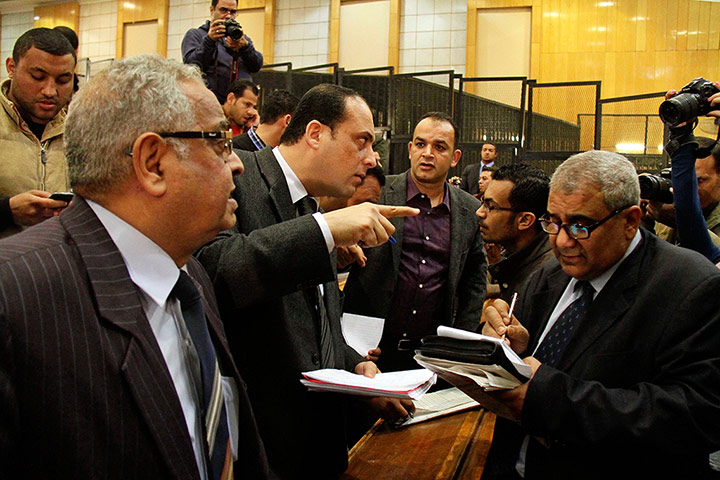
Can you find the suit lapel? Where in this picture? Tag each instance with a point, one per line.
(143, 366)
(276, 184)
(545, 301)
(460, 223)
(606, 309)
(395, 193)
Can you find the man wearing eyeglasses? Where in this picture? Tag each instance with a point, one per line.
(221, 58)
(623, 337)
(113, 360)
(512, 205)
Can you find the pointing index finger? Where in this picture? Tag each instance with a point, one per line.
(392, 211)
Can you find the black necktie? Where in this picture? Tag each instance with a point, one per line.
(554, 343)
(305, 206)
(213, 402)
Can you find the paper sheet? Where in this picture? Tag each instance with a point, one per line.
(437, 404)
(405, 384)
(361, 333)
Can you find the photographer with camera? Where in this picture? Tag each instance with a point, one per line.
(697, 215)
(221, 49)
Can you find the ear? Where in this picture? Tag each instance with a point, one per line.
(10, 66)
(313, 132)
(525, 220)
(286, 120)
(149, 157)
(410, 144)
(632, 221)
(230, 98)
(456, 158)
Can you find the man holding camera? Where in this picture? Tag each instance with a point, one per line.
(221, 49)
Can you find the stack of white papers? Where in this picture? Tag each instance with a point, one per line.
(411, 384)
(360, 332)
(437, 404)
(487, 377)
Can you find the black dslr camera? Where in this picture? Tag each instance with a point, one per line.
(656, 187)
(690, 102)
(232, 29)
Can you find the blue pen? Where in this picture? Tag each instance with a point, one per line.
(392, 240)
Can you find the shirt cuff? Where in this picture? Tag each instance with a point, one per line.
(322, 223)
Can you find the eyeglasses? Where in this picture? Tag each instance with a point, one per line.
(225, 11)
(490, 207)
(220, 141)
(575, 230)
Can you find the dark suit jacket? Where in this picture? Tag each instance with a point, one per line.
(84, 389)
(469, 178)
(636, 394)
(259, 270)
(243, 142)
(369, 290)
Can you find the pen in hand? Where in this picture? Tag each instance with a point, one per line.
(512, 307)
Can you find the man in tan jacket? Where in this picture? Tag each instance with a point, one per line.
(32, 118)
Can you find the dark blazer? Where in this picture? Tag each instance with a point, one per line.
(635, 395)
(369, 290)
(84, 389)
(243, 142)
(259, 270)
(469, 178)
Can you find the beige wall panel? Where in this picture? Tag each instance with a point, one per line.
(140, 37)
(703, 26)
(357, 49)
(641, 20)
(714, 33)
(693, 21)
(250, 4)
(503, 42)
(253, 23)
(142, 11)
(49, 16)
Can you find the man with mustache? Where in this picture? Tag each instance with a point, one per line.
(435, 273)
(41, 72)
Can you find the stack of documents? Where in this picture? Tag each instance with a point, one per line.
(437, 404)
(411, 384)
(503, 370)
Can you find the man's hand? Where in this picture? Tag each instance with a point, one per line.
(236, 44)
(497, 323)
(373, 355)
(493, 251)
(391, 410)
(366, 223)
(369, 369)
(217, 30)
(34, 206)
(662, 212)
(514, 399)
(349, 255)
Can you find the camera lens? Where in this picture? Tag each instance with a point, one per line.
(680, 108)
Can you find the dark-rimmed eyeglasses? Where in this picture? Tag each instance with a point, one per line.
(225, 11)
(576, 230)
(220, 140)
(490, 207)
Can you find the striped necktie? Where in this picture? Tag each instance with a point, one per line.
(215, 423)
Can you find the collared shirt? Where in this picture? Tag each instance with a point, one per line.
(566, 299)
(152, 269)
(257, 141)
(418, 301)
(298, 191)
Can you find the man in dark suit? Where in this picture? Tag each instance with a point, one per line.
(275, 115)
(624, 336)
(107, 370)
(274, 274)
(427, 278)
(471, 174)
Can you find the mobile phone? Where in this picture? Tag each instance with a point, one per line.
(62, 196)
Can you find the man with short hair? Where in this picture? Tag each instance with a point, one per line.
(622, 334)
(221, 58)
(113, 359)
(240, 105)
(40, 83)
(485, 176)
(275, 114)
(435, 273)
(471, 173)
(275, 277)
(512, 206)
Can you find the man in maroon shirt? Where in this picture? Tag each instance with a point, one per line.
(435, 273)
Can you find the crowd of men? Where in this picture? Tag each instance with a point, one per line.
(156, 324)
